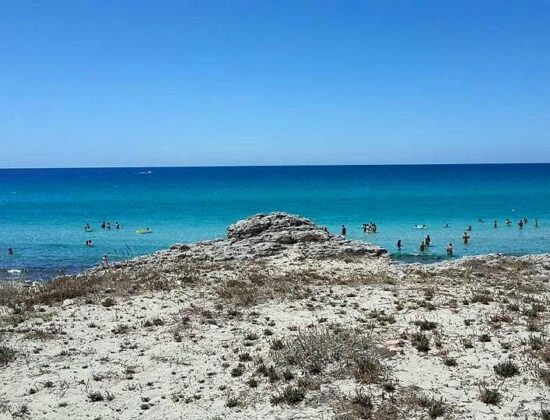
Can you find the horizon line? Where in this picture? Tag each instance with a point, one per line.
(271, 165)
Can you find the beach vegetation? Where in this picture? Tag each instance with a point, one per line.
(290, 395)
(7, 354)
(436, 407)
(245, 357)
(426, 325)
(360, 404)
(233, 402)
(534, 325)
(108, 302)
(506, 369)
(489, 396)
(421, 342)
(483, 297)
(120, 329)
(238, 370)
(544, 374)
(450, 361)
(334, 351)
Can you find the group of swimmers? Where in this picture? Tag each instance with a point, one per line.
(370, 227)
(104, 225)
(426, 243)
(522, 222)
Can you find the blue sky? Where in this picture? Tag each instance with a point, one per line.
(148, 83)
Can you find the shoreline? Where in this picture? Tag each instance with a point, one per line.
(397, 257)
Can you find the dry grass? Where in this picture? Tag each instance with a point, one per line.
(255, 284)
(334, 352)
(7, 354)
(9, 290)
(94, 284)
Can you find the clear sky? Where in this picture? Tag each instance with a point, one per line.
(144, 83)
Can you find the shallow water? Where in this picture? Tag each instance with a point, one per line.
(43, 211)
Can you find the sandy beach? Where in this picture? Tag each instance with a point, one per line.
(280, 320)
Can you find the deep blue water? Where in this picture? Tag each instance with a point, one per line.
(43, 211)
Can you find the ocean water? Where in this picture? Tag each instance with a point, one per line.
(43, 211)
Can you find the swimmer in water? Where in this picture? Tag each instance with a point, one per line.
(10, 251)
(103, 225)
(88, 228)
(108, 226)
(469, 228)
(520, 224)
(117, 226)
(446, 226)
(450, 249)
(466, 238)
(105, 261)
(508, 222)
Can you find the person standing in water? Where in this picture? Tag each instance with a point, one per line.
(428, 240)
(344, 231)
(536, 222)
(399, 245)
(520, 224)
(469, 228)
(105, 261)
(422, 247)
(450, 249)
(495, 225)
(466, 238)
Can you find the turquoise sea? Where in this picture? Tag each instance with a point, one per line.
(43, 211)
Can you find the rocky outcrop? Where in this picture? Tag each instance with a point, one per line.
(274, 235)
(279, 234)
(267, 235)
(279, 228)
